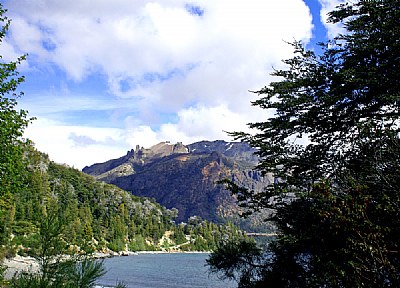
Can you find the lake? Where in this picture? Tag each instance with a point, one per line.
(173, 270)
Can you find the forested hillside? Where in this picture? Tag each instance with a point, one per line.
(98, 216)
(42, 201)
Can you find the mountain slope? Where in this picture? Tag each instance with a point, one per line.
(95, 216)
(185, 177)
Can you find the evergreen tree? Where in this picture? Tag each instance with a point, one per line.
(50, 249)
(179, 236)
(337, 196)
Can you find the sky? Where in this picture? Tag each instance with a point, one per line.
(104, 76)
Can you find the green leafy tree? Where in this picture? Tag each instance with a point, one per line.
(336, 196)
(236, 259)
(12, 125)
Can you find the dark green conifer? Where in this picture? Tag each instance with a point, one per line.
(337, 196)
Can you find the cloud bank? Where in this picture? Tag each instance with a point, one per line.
(104, 76)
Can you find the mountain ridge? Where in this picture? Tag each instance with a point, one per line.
(186, 177)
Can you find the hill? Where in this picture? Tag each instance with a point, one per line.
(96, 216)
(185, 177)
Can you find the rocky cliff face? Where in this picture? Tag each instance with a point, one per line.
(133, 160)
(185, 177)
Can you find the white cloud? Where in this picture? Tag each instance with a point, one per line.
(158, 59)
(8, 52)
(193, 124)
(202, 122)
(77, 146)
(326, 7)
(80, 146)
(157, 36)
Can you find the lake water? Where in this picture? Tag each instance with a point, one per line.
(175, 270)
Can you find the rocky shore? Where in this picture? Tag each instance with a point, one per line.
(29, 264)
(20, 264)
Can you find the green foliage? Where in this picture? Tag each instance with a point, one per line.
(100, 211)
(116, 245)
(96, 216)
(48, 246)
(336, 197)
(12, 125)
(236, 259)
(82, 274)
(138, 244)
(204, 235)
(179, 235)
(71, 274)
(50, 250)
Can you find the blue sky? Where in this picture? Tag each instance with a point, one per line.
(104, 78)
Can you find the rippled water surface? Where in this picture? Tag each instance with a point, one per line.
(173, 270)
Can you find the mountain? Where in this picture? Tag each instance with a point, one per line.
(185, 177)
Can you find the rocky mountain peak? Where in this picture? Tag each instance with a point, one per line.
(161, 149)
(134, 158)
(186, 176)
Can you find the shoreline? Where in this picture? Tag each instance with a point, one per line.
(19, 263)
